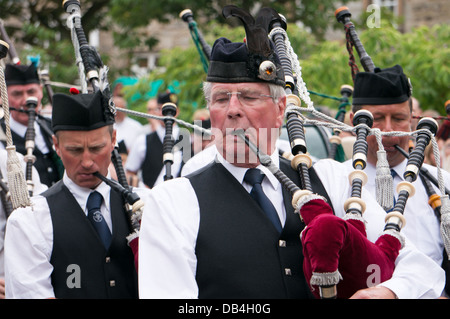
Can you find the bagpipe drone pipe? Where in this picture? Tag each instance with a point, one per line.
(203, 48)
(92, 70)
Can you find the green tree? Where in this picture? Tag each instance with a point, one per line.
(40, 25)
(420, 52)
(315, 15)
(325, 64)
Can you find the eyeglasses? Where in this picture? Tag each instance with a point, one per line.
(222, 99)
(155, 109)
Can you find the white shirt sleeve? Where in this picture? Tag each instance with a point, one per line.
(28, 247)
(415, 275)
(168, 234)
(199, 160)
(38, 188)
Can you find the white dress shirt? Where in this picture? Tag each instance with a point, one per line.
(21, 130)
(168, 235)
(200, 160)
(137, 154)
(38, 188)
(128, 131)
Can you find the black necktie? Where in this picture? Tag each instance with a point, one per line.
(96, 218)
(254, 177)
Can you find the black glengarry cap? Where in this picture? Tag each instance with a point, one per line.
(81, 112)
(382, 87)
(20, 74)
(167, 97)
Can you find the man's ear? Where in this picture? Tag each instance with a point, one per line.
(282, 107)
(114, 138)
(56, 144)
(351, 115)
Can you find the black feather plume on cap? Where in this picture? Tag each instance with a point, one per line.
(256, 34)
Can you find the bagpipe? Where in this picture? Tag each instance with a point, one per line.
(169, 110)
(434, 200)
(11, 51)
(203, 48)
(92, 70)
(336, 250)
(343, 16)
(30, 134)
(346, 92)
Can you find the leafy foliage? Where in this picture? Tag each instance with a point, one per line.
(423, 52)
(325, 64)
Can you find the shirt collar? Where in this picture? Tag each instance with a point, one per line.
(17, 127)
(81, 194)
(400, 168)
(239, 172)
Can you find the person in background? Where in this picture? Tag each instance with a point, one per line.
(145, 159)
(23, 82)
(386, 93)
(127, 128)
(153, 108)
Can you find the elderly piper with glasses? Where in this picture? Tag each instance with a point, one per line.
(228, 230)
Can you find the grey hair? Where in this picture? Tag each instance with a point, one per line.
(276, 91)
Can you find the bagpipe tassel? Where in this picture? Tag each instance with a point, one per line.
(445, 223)
(383, 182)
(16, 180)
(325, 279)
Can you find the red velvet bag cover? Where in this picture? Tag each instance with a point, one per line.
(134, 245)
(332, 245)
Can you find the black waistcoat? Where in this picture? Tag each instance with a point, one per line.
(239, 252)
(45, 164)
(77, 248)
(153, 162)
